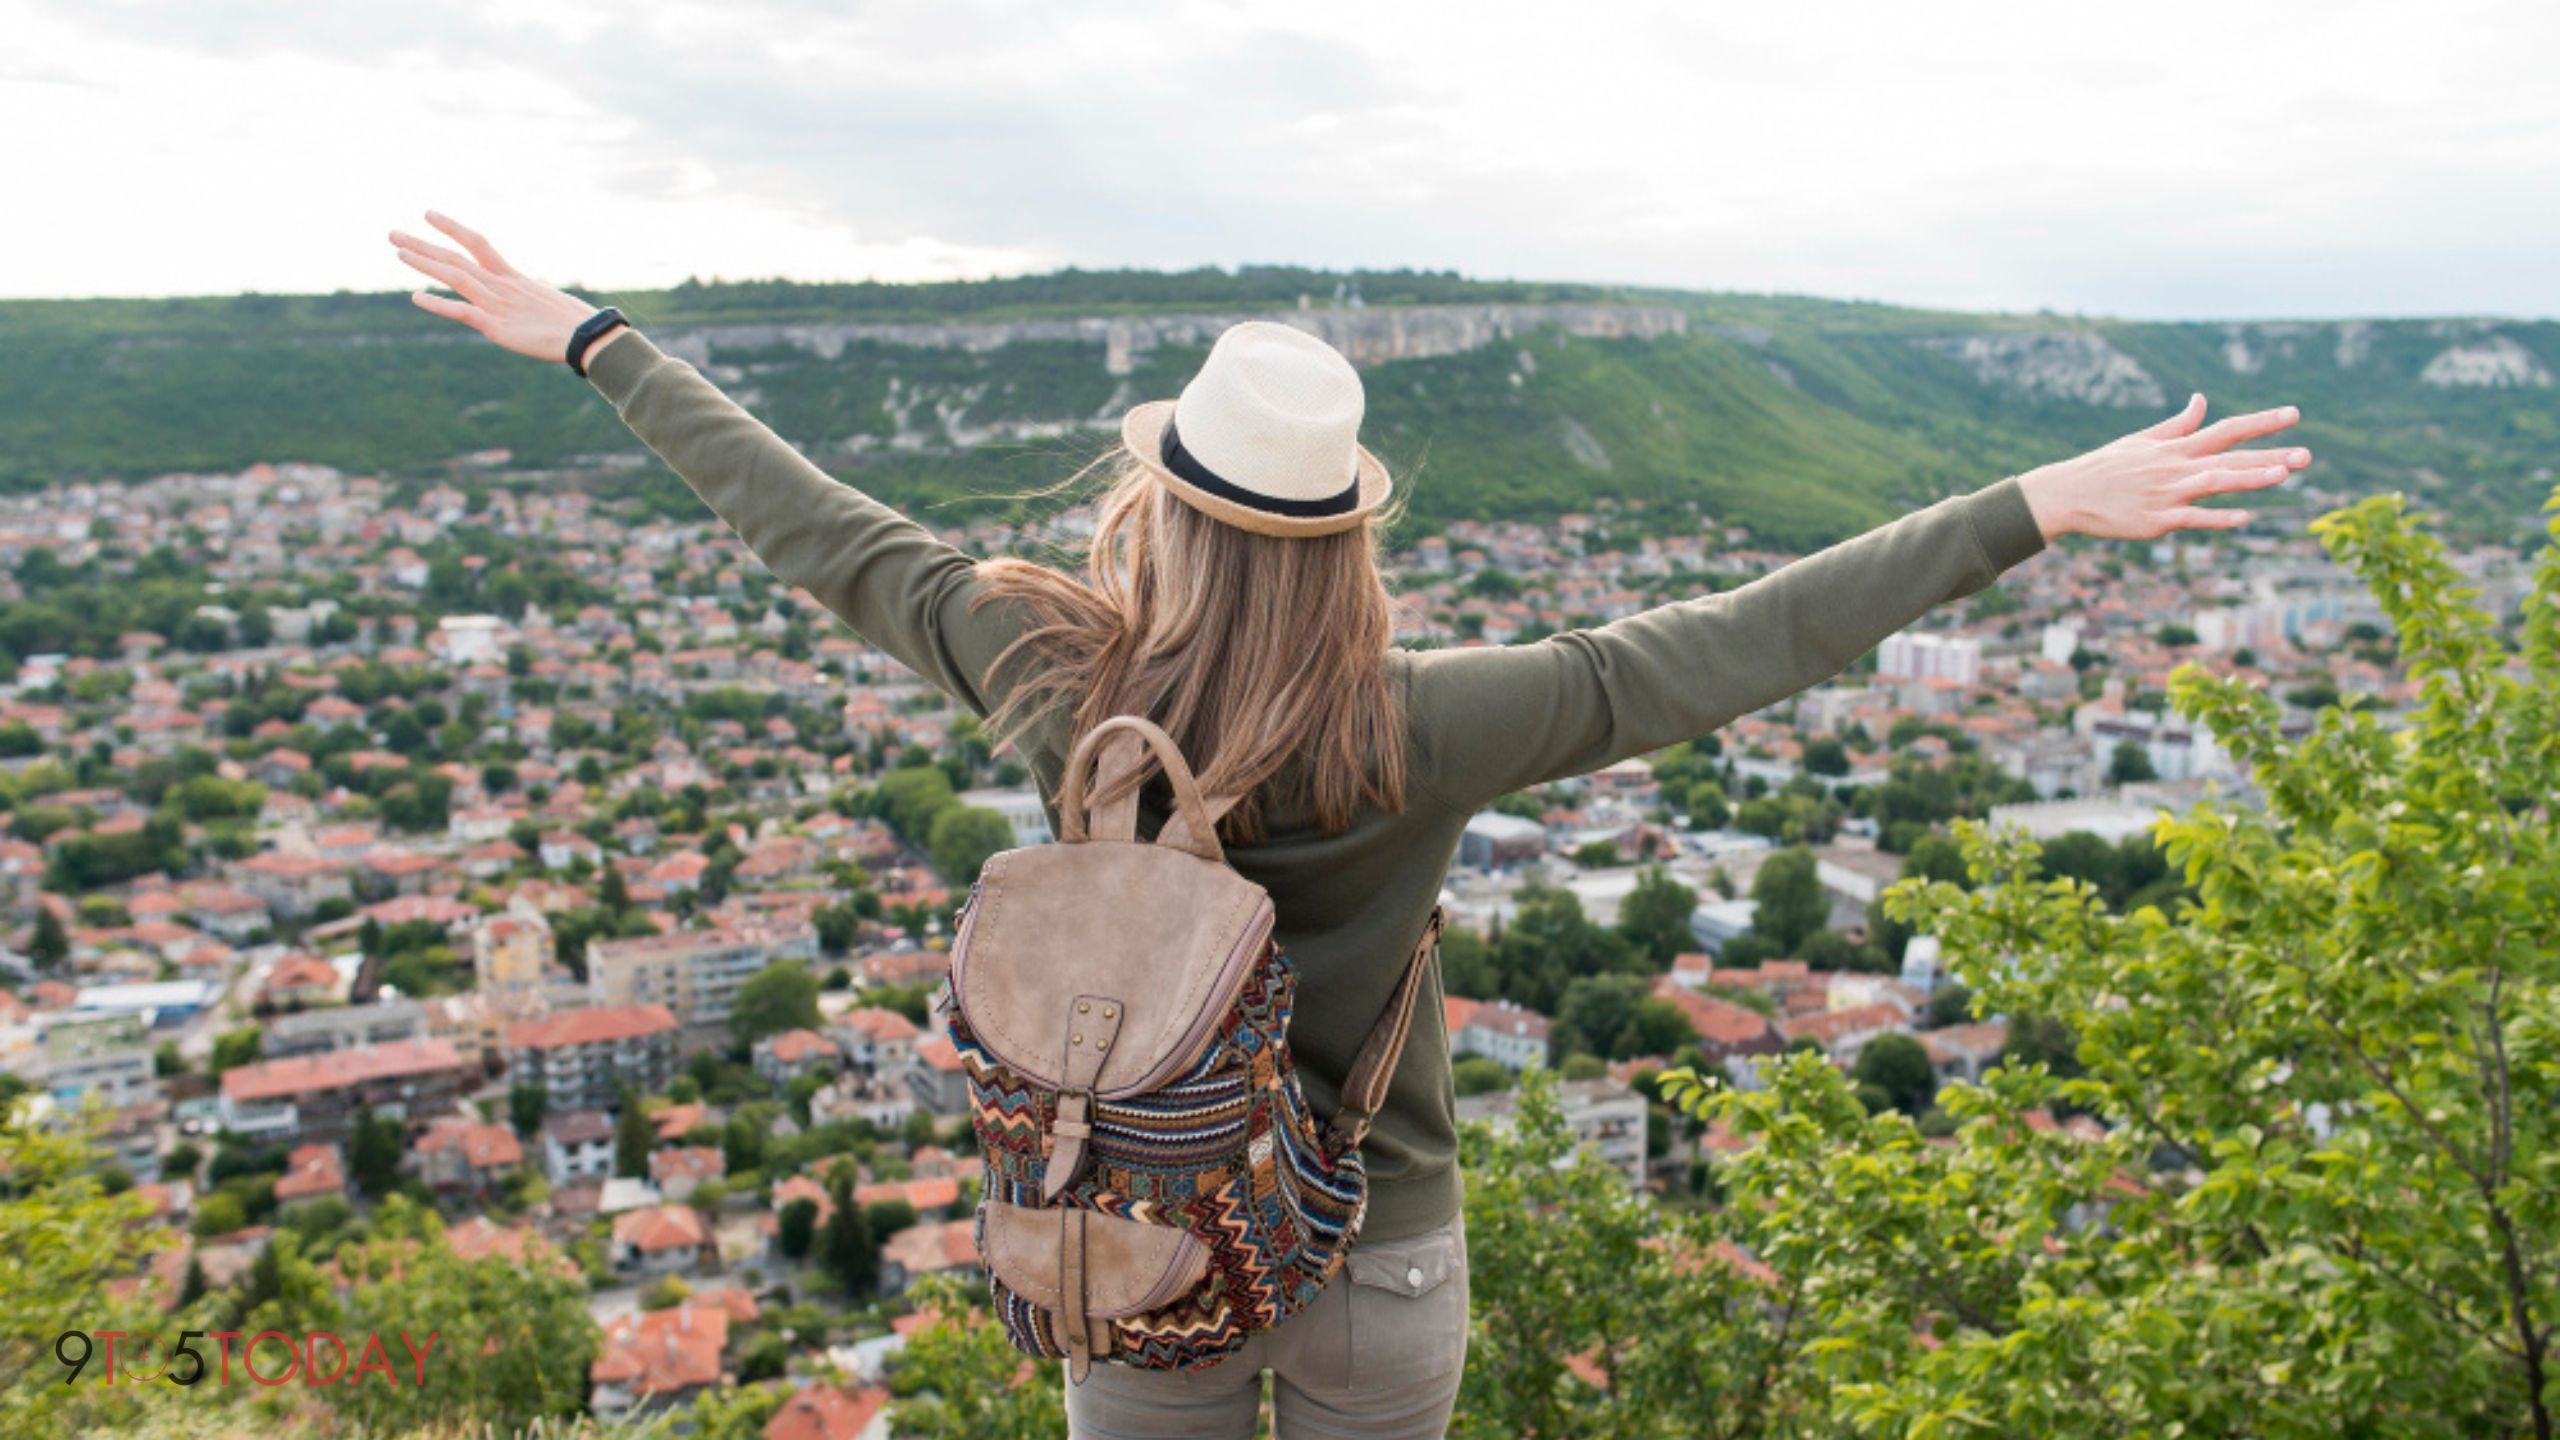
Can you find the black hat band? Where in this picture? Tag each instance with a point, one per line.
(1187, 465)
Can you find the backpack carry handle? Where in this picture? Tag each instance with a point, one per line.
(1194, 823)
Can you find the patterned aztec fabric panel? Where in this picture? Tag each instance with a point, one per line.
(1228, 1150)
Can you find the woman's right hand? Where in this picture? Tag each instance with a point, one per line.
(2147, 484)
(511, 308)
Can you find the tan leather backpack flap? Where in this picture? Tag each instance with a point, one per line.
(1129, 1267)
(1147, 931)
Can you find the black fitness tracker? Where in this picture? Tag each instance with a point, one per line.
(589, 331)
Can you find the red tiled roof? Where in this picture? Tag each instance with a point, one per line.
(482, 1146)
(675, 1122)
(933, 1245)
(600, 1025)
(823, 1412)
(801, 1187)
(338, 1069)
(311, 1171)
(1501, 1017)
(879, 1025)
(1720, 1022)
(656, 1351)
(702, 1162)
(937, 1193)
(302, 972)
(660, 1227)
(1833, 1026)
(793, 1046)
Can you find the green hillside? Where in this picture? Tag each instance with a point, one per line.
(1805, 419)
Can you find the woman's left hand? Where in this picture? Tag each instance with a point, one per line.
(515, 310)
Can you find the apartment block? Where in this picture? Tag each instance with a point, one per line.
(316, 1097)
(583, 1058)
(695, 974)
(1606, 1115)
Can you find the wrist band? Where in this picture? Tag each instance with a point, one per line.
(589, 331)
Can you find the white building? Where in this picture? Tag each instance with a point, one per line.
(470, 639)
(1021, 809)
(1918, 655)
(2179, 748)
(1606, 1115)
(694, 973)
(1500, 1030)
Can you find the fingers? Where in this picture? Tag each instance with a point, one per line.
(2226, 479)
(2179, 424)
(2194, 518)
(450, 309)
(461, 278)
(2296, 458)
(2224, 433)
(471, 239)
(407, 241)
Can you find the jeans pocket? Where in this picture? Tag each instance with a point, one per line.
(1407, 1308)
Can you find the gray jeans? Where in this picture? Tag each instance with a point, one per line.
(1377, 1356)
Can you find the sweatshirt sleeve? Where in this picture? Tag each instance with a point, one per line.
(897, 585)
(1494, 719)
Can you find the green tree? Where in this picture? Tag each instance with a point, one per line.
(64, 1243)
(220, 1213)
(237, 1047)
(1568, 1264)
(962, 837)
(846, 1246)
(1898, 1066)
(513, 1342)
(798, 1226)
(1613, 1017)
(1655, 916)
(781, 996)
(2323, 1150)
(909, 797)
(2129, 762)
(1548, 943)
(1788, 898)
(51, 945)
(1480, 1075)
(633, 1138)
(959, 1377)
(527, 1102)
(373, 1152)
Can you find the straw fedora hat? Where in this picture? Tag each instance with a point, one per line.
(1266, 436)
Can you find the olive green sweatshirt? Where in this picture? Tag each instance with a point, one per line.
(1482, 721)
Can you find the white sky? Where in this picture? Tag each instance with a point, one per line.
(2231, 160)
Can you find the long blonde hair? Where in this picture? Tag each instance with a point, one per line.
(1250, 650)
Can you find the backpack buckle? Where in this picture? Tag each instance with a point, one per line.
(1070, 1125)
(1081, 1127)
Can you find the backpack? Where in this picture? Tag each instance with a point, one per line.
(1154, 1187)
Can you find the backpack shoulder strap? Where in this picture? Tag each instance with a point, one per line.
(1364, 1090)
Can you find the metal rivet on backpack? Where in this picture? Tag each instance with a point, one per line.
(1083, 1006)
(1076, 1040)
(1106, 1012)
(1103, 1043)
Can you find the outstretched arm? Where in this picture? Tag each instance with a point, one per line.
(1498, 719)
(894, 582)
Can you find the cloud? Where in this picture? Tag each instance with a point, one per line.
(2291, 158)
